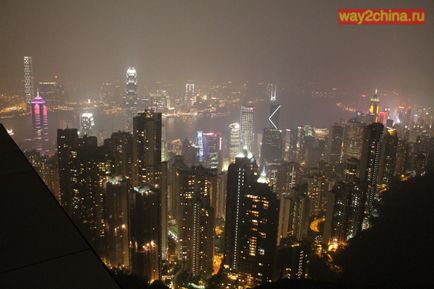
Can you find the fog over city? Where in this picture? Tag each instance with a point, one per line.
(216, 144)
(288, 42)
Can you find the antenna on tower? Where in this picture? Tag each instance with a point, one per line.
(273, 92)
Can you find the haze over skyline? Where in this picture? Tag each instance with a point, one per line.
(288, 42)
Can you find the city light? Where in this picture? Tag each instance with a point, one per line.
(199, 145)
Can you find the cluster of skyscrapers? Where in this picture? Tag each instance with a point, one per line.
(251, 207)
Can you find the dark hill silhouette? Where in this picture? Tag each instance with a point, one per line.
(397, 252)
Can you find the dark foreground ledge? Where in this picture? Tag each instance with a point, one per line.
(40, 247)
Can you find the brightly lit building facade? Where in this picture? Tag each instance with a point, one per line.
(40, 124)
(247, 126)
(369, 169)
(190, 95)
(130, 96)
(234, 140)
(28, 79)
(197, 189)
(87, 123)
(210, 149)
(374, 107)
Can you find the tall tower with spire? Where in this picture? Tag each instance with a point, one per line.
(272, 142)
(374, 107)
(130, 96)
(273, 117)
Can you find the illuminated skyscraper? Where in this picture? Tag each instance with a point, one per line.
(197, 186)
(117, 221)
(369, 168)
(210, 149)
(335, 144)
(82, 167)
(294, 214)
(374, 107)
(272, 142)
(251, 221)
(288, 147)
(272, 146)
(145, 223)
(247, 126)
(130, 97)
(234, 140)
(292, 260)
(273, 117)
(149, 171)
(120, 145)
(402, 150)
(241, 176)
(258, 231)
(317, 187)
(190, 96)
(28, 79)
(352, 140)
(67, 150)
(147, 149)
(344, 212)
(87, 123)
(190, 152)
(389, 149)
(40, 124)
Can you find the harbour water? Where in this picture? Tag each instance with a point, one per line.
(174, 127)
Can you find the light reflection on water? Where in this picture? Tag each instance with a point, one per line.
(105, 124)
(317, 113)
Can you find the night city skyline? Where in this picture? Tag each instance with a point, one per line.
(286, 42)
(217, 144)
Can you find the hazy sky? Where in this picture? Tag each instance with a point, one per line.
(284, 41)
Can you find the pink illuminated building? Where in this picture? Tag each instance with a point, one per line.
(40, 124)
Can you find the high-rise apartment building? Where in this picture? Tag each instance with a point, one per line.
(196, 215)
(251, 220)
(369, 168)
(388, 156)
(145, 224)
(120, 145)
(67, 151)
(352, 140)
(335, 144)
(344, 212)
(258, 231)
(117, 221)
(147, 149)
(241, 175)
(82, 167)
